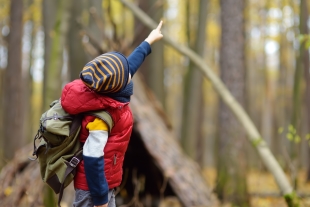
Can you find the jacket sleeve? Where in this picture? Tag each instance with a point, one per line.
(93, 152)
(136, 58)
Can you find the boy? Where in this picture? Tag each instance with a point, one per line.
(105, 84)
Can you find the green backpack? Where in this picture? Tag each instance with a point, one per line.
(59, 150)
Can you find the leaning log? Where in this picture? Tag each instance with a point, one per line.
(183, 174)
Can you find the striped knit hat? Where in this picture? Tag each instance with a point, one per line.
(107, 73)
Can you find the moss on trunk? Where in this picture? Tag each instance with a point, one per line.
(292, 200)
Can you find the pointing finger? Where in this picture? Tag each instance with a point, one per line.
(159, 25)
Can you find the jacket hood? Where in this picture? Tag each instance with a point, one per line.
(77, 98)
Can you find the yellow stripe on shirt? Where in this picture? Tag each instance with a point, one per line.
(97, 124)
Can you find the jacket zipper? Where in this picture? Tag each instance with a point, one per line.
(114, 160)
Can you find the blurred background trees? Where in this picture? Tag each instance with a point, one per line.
(259, 48)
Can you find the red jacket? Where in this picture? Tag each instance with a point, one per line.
(78, 98)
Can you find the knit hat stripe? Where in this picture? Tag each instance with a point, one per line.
(119, 83)
(115, 79)
(90, 73)
(112, 77)
(102, 74)
(121, 73)
(95, 74)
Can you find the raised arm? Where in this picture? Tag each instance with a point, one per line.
(137, 57)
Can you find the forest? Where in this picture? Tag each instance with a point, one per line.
(221, 106)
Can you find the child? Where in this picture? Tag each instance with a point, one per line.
(105, 84)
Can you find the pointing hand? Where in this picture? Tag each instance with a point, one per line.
(155, 35)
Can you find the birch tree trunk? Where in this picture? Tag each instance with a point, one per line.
(13, 108)
(254, 136)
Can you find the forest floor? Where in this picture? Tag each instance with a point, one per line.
(263, 189)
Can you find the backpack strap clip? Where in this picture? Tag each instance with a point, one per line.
(74, 162)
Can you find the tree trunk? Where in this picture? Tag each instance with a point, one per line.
(93, 24)
(297, 90)
(55, 20)
(156, 67)
(282, 111)
(55, 29)
(1, 118)
(304, 52)
(153, 66)
(253, 135)
(141, 33)
(191, 135)
(13, 108)
(231, 168)
(76, 53)
(29, 118)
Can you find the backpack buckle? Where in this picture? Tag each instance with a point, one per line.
(74, 162)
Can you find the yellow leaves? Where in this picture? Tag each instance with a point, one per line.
(8, 191)
(280, 130)
(213, 31)
(304, 40)
(37, 14)
(34, 12)
(123, 19)
(291, 134)
(4, 9)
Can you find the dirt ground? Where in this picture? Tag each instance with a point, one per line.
(263, 189)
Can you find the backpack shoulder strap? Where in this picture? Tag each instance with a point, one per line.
(105, 116)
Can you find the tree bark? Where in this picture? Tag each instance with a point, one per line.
(140, 33)
(304, 52)
(156, 67)
(55, 29)
(191, 135)
(153, 67)
(253, 135)
(231, 165)
(55, 20)
(300, 71)
(76, 53)
(29, 118)
(1, 112)
(13, 108)
(96, 6)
